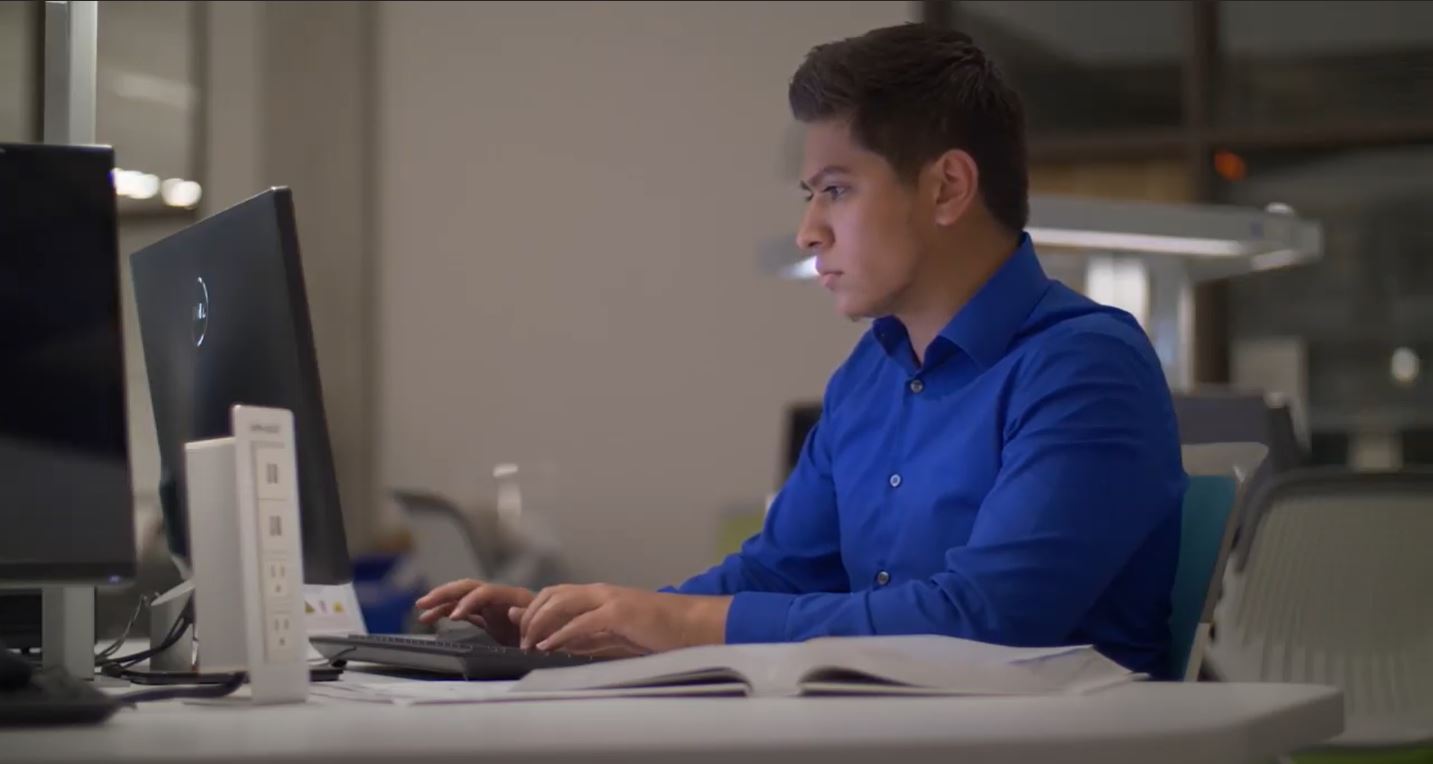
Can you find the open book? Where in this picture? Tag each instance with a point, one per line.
(901, 665)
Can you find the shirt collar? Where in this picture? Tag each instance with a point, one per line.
(985, 326)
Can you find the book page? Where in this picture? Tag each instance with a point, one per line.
(752, 665)
(928, 664)
(420, 692)
(947, 665)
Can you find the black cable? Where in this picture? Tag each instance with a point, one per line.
(336, 661)
(114, 646)
(175, 632)
(229, 685)
(185, 620)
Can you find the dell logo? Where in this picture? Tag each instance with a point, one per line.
(201, 313)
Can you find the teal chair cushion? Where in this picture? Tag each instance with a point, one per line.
(1207, 504)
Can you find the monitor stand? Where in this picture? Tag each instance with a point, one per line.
(164, 612)
(67, 627)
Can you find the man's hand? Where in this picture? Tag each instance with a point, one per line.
(616, 620)
(482, 604)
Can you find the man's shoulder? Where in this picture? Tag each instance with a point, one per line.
(1069, 329)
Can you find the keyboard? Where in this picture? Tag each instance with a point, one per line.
(52, 696)
(467, 658)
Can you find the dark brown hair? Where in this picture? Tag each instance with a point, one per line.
(913, 92)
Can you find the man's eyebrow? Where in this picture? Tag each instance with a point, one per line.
(815, 180)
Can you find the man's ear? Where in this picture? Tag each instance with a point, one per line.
(957, 183)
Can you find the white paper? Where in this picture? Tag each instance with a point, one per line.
(411, 693)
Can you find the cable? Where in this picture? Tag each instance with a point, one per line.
(335, 660)
(175, 632)
(182, 623)
(232, 683)
(114, 646)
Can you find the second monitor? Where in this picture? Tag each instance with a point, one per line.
(224, 319)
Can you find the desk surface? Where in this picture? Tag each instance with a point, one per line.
(1136, 723)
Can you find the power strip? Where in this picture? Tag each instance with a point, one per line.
(248, 559)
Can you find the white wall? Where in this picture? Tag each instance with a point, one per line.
(570, 200)
(287, 94)
(17, 75)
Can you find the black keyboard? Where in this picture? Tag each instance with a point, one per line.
(52, 696)
(470, 659)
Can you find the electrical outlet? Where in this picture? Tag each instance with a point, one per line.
(282, 635)
(276, 578)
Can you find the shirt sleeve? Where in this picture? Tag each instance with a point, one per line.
(1089, 469)
(799, 547)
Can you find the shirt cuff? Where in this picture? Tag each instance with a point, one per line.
(757, 617)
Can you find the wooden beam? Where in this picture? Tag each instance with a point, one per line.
(1108, 144)
(937, 13)
(1201, 75)
(1349, 134)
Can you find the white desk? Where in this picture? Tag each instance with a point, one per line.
(1137, 723)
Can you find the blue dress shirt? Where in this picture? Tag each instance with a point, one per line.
(1022, 486)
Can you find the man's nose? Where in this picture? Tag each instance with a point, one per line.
(813, 235)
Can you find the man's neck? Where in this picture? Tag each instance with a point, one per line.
(950, 282)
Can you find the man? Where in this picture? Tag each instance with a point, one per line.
(997, 459)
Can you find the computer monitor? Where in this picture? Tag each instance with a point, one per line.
(224, 319)
(66, 499)
(800, 418)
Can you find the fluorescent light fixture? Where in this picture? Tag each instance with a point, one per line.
(1279, 258)
(1405, 366)
(1216, 240)
(134, 184)
(805, 269)
(178, 192)
(1115, 241)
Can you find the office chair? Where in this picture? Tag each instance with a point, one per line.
(1218, 474)
(1334, 590)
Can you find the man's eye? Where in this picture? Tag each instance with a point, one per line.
(834, 192)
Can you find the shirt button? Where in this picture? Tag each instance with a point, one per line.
(896, 481)
(917, 385)
(883, 578)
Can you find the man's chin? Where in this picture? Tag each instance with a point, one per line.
(852, 310)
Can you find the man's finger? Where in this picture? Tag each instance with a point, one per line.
(489, 596)
(434, 613)
(429, 601)
(556, 612)
(538, 602)
(476, 599)
(449, 591)
(585, 626)
(496, 613)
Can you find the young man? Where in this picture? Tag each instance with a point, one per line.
(997, 459)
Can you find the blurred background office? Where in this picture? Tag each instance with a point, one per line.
(530, 230)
